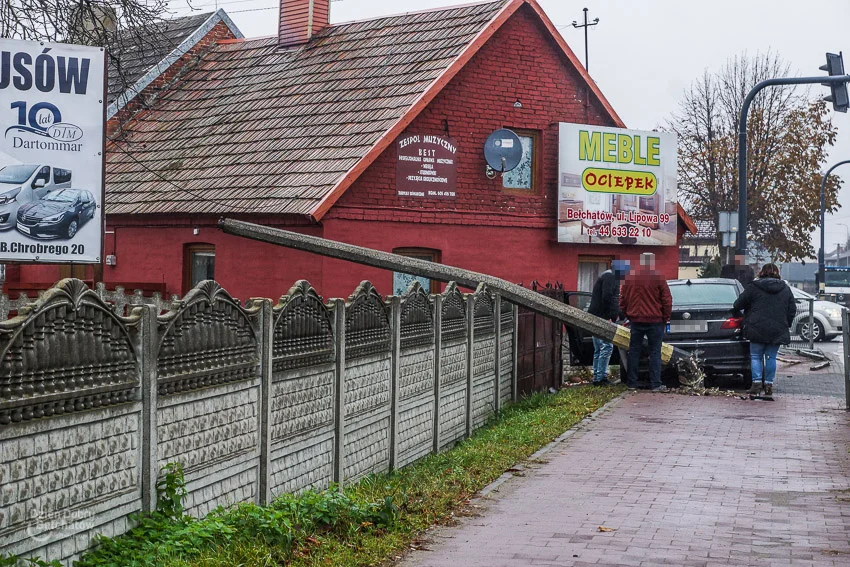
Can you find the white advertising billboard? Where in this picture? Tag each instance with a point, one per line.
(51, 152)
(616, 186)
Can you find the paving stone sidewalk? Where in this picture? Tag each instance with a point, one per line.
(682, 481)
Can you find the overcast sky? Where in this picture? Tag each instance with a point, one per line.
(643, 54)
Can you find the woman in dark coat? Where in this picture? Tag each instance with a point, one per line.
(769, 309)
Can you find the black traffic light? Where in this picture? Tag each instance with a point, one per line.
(839, 98)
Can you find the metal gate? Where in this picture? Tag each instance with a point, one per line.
(539, 346)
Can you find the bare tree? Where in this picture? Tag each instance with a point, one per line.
(127, 28)
(787, 135)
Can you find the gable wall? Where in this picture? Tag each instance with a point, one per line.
(519, 61)
(484, 229)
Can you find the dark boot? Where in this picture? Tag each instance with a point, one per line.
(768, 390)
(755, 389)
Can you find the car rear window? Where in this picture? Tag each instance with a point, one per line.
(703, 294)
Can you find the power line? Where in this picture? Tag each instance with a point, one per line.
(253, 10)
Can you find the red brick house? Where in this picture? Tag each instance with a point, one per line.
(300, 131)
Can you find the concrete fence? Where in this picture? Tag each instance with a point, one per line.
(253, 401)
(120, 300)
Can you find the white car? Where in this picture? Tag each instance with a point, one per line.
(826, 313)
(26, 183)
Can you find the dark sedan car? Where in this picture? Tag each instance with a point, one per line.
(59, 214)
(702, 321)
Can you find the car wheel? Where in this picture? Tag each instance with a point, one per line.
(803, 331)
(72, 228)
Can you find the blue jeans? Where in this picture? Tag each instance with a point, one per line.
(763, 362)
(601, 356)
(653, 332)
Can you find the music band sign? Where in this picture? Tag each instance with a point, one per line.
(426, 166)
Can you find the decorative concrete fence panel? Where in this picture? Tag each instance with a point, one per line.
(303, 389)
(367, 387)
(416, 395)
(453, 367)
(70, 423)
(484, 346)
(253, 401)
(208, 397)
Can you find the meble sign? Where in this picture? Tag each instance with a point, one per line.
(52, 100)
(616, 186)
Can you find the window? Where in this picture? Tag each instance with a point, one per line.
(198, 265)
(43, 175)
(61, 175)
(703, 294)
(589, 269)
(524, 177)
(402, 280)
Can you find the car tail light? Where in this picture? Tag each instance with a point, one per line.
(732, 323)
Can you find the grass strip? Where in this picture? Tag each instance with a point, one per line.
(430, 491)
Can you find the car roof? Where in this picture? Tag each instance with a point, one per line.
(700, 281)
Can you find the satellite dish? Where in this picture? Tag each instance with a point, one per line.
(503, 150)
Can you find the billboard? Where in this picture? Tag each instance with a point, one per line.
(616, 186)
(51, 152)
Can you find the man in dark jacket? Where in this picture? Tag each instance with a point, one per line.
(769, 310)
(740, 271)
(605, 303)
(646, 302)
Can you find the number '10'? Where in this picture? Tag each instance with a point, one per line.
(31, 119)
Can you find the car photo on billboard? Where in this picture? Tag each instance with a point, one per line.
(59, 214)
(25, 183)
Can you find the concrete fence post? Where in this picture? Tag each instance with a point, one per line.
(497, 352)
(515, 356)
(438, 342)
(148, 344)
(470, 359)
(264, 427)
(395, 330)
(339, 392)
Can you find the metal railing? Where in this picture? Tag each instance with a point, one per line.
(845, 331)
(805, 329)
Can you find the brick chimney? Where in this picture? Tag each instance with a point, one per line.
(300, 20)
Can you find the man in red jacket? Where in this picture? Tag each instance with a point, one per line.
(646, 302)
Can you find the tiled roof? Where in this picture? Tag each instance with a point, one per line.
(132, 55)
(705, 231)
(255, 128)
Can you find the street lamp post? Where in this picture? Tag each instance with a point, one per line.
(742, 150)
(823, 222)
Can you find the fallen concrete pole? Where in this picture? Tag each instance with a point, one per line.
(519, 295)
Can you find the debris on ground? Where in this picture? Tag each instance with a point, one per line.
(604, 529)
(819, 365)
(692, 379)
(804, 352)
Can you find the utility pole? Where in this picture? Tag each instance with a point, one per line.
(585, 25)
